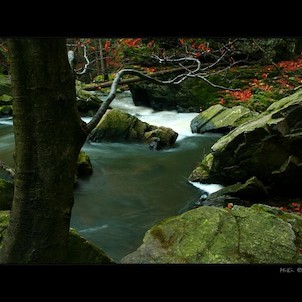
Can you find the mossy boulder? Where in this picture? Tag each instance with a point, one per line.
(87, 101)
(268, 147)
(6, 194)
(252, 190)
(80, 251)
(6, 110)
(5, 85)
(218, 118)
(6, 99)
(188, 96)
(4, 219)
(119, 126)
(211, 235)
(84, 167)
(84, 164)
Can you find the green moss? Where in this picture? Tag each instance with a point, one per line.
(6, 99)
(166, 235)
(203, 169)
(81, 251)
(4, 220)
(84, 164)
(6, 110)
(265, 236)
(5, 85)
(6, 194)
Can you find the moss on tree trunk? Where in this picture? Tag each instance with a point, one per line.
(47, 127)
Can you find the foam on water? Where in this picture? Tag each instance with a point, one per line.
(209, 188)
(179, 122)
(94, 229)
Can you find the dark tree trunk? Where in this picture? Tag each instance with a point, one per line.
(48, 137)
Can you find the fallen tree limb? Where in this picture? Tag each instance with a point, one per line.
(96, 86)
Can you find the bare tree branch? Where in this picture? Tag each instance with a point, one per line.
(192, 69)
(176, 80)
(101, 111)
(87, 61)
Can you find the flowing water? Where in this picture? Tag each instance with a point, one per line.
(132, 187)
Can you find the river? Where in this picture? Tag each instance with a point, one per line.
(132, 187)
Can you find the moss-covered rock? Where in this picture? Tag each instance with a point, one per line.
(6, 194)
(6, 99)
(267, 147)
(6, 110)
(87, 101)
(252, 189)
(5, 85)
(119, 126)
(188, 96)
(4, 219)
(80, 251)
(84, 164)
(211, 235)
(218, 118)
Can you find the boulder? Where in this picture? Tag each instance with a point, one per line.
(268, 147)
(119, 126)
(211, 235)
(187, 96)
(84, 164)
(6, 194)
(87, 101)
(5, 85)
(218, 118)
(80, 251)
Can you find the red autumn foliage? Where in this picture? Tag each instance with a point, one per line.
(151, 69)
(204, 47)
(241, 95)
(131, 42)
(107, 46)
(291, 65)
(150, 44)
(264, 75)
(181, 41)
(293, 207)
(285, 83)
(260, 84)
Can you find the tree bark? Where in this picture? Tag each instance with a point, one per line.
(48, 137)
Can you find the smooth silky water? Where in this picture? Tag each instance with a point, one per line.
(132, 187)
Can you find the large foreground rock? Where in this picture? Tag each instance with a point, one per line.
(80, 251)
(211, 235)
(269, 147)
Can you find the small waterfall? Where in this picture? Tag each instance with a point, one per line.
(179, 122)
(209, 188)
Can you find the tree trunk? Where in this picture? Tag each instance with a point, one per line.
(48, 137)
(103, 62)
